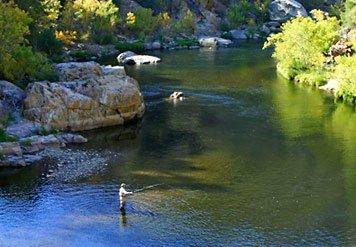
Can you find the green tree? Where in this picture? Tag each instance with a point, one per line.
(92, 19)
(145, 23)
(300, 47)
(17, 60)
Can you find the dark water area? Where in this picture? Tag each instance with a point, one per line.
(245, 159)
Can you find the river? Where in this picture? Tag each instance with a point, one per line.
(245, 159)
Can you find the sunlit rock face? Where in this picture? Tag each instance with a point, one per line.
(282, 10)
(89, 96)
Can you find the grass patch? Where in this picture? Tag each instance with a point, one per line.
(26, 142)
(130, 46)
(6, 120)
(80, 55)
(4, 137)
(187, 42)
(45, 132)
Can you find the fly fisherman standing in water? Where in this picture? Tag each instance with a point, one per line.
(123, 193)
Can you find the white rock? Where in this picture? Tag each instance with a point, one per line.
(121, 57)
(224, 42)
(332, 85)
(208, 41)
(141, 59)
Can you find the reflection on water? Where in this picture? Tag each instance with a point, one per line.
(245, 159)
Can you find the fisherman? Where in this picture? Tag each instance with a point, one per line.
(123, 193)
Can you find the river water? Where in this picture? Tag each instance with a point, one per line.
(245, 159)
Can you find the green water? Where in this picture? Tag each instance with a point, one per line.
(246, 159)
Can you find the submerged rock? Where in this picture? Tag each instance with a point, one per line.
(176, 95)
(214, 42)
(283, 10)
(208, 42)
(103, 97)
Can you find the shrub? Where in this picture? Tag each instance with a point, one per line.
(91, 19)
(237, 14)
(66, 37)
(187, 42)
(26, 66)
(186, 25)
(142, 21)
(345, 73)
(244, 11)
(18, 61)
(163, 19)
(130, 46)
(349, 16)
(4, 137)
(47, 42)
(6, 120)
(312, 78)
(80, 55)
(26, 142)
(301, 44)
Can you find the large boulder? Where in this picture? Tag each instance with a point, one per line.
(208, 42)
(98, 99)
(122, 56)
(11, 98)
(282, 10)
(141, 59)
(78, 71)
(224, 42)
(156, 45)
(238, 34)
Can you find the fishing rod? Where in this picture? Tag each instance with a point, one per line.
(146, 188)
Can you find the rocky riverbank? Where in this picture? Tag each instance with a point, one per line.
(88, 96)
(208, 31)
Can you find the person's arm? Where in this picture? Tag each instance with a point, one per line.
(127, 192)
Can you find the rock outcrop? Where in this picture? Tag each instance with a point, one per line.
(11, 98)
(89, 96)
(283, 10)
(27, 150)
(214, 42)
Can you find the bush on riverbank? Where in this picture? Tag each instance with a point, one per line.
(136, 47)
(301, 45)
(345, 73)
(302, 51)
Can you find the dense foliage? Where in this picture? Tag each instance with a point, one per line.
(247, 12)
(349, 17)
(302, 44)
(302, 51)
(18, 62)
(91, 19)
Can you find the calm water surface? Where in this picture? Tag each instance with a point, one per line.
(246, 159)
